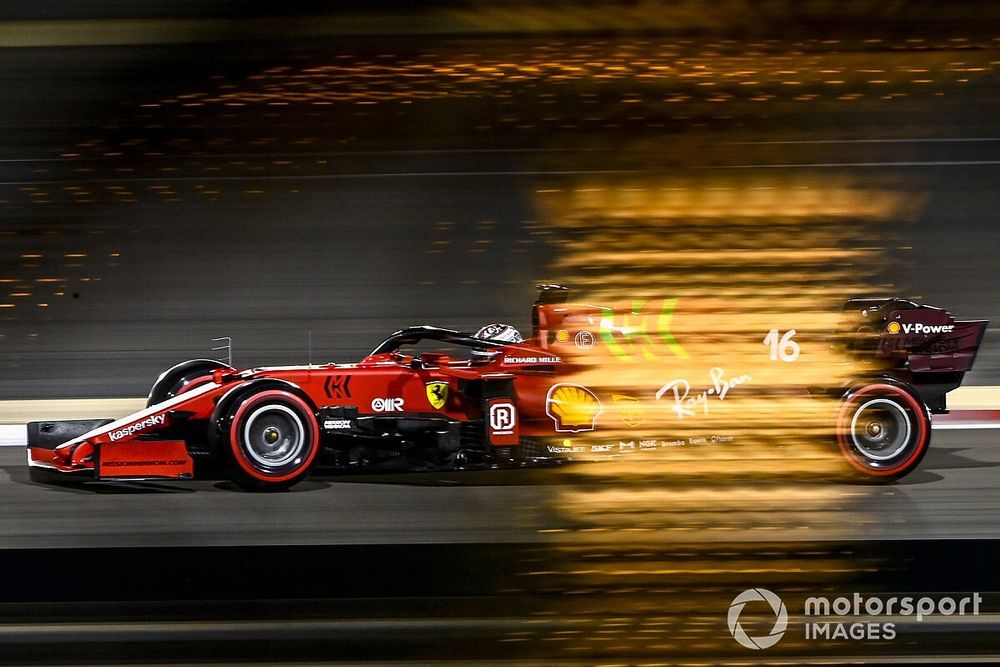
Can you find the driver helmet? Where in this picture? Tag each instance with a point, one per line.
(501, 333)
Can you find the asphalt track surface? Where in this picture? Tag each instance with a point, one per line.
(953, 495)
(497, 565)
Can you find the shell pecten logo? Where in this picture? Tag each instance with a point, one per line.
(573, 408)
(893, 328)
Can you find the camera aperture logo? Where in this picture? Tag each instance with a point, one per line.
(780, 618)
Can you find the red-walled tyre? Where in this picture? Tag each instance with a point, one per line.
(883, 431)
(272, 442)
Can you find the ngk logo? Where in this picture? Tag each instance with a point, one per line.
(503, 418)
(387, 404)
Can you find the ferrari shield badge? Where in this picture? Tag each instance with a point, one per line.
(437, 394)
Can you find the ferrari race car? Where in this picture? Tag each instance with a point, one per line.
(578, 386)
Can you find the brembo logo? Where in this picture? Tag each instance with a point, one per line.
(918, 328)
(780, 618)
(155, 420)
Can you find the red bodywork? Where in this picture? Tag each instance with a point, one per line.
(487, 403)
(385, 384)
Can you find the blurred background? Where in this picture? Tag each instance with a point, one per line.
(261, 170)
(307, 177)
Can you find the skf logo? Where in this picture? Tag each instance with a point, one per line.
(387, 404)
(629, 409)
(573, 408)
(437, 394)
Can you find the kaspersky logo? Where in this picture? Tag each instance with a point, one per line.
(780, 619)
(131, 429)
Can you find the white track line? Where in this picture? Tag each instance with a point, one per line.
(13, 436)
(17, 435)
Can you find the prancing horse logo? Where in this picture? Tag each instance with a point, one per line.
(437, 394)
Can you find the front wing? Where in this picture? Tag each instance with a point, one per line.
(129, 459)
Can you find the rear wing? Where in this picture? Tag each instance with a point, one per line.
(922, 345)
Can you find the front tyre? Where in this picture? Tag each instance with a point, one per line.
(272, 441)
(883, 431)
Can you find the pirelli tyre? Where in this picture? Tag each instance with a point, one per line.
(182, 377)
(883, 431)
(272, 440)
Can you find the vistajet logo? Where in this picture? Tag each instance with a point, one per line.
(132, 429)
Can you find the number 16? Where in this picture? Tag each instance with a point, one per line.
(786, 348)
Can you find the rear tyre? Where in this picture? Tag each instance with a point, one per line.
(182, 377)
(883, 431)
(272, 441)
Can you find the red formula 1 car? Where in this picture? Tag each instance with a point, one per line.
(487, 402)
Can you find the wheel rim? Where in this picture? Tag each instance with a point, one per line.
(880, 430)
(274, 437)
